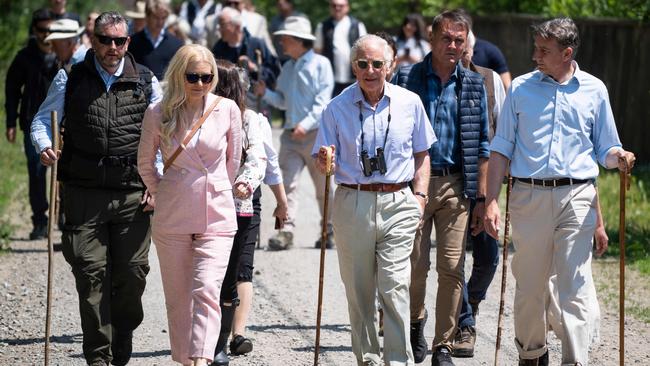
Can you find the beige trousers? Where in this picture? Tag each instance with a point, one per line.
(448, 210)
(552, 230)
(293, 157)
(375, 234)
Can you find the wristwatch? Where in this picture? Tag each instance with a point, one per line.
(480, 199)
(423, 195)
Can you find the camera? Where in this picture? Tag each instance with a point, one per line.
(376, 163)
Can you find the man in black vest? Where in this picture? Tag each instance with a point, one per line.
(334, 39)
(106, 234)
(28, 78)
(455, 100)
(153, 46)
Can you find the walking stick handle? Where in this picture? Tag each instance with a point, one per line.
(328, 161)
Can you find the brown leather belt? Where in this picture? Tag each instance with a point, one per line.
(377, 187)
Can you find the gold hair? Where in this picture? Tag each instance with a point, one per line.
(174, 97)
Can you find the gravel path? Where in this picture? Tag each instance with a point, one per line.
(283, 319)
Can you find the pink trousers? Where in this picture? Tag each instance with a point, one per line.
(192, 269)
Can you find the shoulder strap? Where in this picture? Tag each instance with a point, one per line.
(189, 136)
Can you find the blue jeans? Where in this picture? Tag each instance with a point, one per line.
(486, 259)
(36, 172)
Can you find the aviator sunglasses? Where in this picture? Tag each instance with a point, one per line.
(194, 78)
(376, 64)
(106, 40)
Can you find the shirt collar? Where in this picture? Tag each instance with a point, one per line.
(160, 36)
(307, 56)
(578, 75)
(357, 95)
(455, 75)
(105, 73)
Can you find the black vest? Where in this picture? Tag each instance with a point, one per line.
(470, 115)
(192, 10)
(102, 128)
(328, 38)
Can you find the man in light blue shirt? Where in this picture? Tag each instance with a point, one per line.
(106, 233)
(380, 135)
(303, 89)
(555, 126)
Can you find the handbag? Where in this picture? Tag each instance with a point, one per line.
(189, 136)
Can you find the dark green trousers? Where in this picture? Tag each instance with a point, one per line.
(106, 240)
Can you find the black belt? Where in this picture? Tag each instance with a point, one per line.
(553, 182)
(445, 171)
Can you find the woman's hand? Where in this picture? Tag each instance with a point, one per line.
(148, 200)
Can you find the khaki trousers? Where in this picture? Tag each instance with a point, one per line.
(448, 210)
(375, 234)
(552, 230)
(293, 157)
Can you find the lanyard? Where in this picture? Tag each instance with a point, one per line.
(361, 122)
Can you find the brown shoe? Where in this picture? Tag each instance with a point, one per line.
(281, 241)
(464, 342)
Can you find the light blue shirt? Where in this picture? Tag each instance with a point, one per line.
(303, 89)
(41, 133)
(154, 42)
(409, 132)
(552, 130)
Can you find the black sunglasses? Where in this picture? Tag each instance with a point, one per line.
(376, 64)
(106, 40)
(194, 78)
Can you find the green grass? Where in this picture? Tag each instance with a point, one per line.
(637, 225)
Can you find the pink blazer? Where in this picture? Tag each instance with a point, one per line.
(195, 194)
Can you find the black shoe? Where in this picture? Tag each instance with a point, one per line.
(541, 361)
(121, 346)
(418, 342)
(39, 232)
(329, 244)
(220, 359)
(240, 345)
(441, 357)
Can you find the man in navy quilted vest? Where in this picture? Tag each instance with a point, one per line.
(455, 101)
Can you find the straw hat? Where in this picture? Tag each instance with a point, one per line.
(139, 11)
(64, 28)
(298, 27)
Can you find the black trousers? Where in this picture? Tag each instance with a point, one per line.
(240, 264)
(106, 239)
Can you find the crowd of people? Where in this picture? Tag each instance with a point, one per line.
(167, 139)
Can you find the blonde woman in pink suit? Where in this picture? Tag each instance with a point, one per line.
(194, 219)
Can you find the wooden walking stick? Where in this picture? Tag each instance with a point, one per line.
(323, 241)
(625, 185)
(50, 231)
(504, 274)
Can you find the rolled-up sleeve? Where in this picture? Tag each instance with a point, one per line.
(605, 136)
(504, 139)
(41, 131)
(326, 133)
(423, 135)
